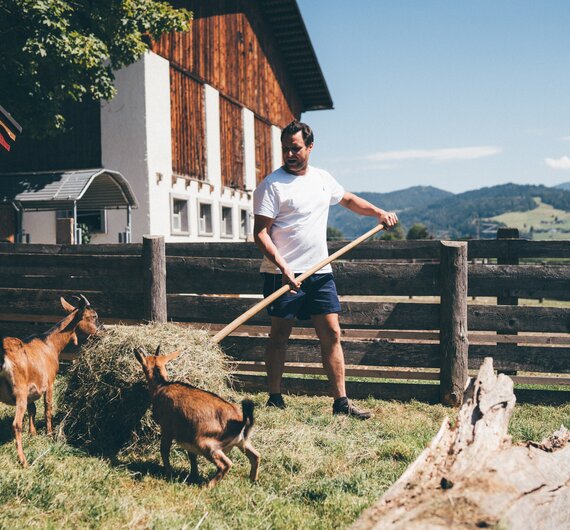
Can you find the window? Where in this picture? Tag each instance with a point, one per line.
(227, 228)
(94, 221)
(179, 216)
(205, 225)
(243, 223)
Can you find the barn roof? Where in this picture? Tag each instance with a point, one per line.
(290, 32)
(91, 189)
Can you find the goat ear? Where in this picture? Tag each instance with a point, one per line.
(171, 356)
(66, 305)
(140, 355)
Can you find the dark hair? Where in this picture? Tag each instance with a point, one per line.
(296, 126)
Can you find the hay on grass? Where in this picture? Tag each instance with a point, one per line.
(105, 399)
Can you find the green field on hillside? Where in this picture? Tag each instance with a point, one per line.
(545, 222)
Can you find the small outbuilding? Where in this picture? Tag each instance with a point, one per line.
(80, 199)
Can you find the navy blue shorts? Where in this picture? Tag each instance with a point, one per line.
(317, 296)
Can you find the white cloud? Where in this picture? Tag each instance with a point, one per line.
(566, 138)
(438, 155)
(558, 163)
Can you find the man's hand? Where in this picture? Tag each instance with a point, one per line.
(388, 219)
(290, 280)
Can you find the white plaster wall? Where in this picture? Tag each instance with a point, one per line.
(136, 141)
(213, 150)
(277, 159)
(40, 225)
(249, 148)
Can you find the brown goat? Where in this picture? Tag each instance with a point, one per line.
(28, 367)
(199, 421)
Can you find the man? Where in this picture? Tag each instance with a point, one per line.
(291, 209)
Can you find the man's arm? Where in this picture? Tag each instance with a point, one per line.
(361, 206)
(264, 242)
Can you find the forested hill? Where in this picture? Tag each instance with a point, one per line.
(453, 216)
(353, 225)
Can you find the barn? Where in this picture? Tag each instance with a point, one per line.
(193, 128)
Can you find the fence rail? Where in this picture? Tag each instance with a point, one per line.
(390, 332)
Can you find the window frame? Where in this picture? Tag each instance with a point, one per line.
(180, 231)
(204, 202)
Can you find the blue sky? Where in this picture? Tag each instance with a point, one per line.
(456, 94)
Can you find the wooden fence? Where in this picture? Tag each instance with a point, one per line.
(397, 345)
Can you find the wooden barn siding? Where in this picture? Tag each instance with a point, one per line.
(231, 144)
(263, 159)
(188, 125)
(231, 48)
(79, 147)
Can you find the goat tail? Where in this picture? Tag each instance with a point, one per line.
(247, 407)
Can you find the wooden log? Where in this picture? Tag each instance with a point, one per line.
(473, 476)
(204, 275)
(365, 353)
(154, 267)
(523, 281)
(454, 343)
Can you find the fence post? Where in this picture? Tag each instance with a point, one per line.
(507, 299)
(154, 289)
(454, 343)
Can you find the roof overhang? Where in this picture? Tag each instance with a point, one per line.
(296, 49)
(88, 189)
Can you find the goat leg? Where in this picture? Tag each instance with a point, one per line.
(194, 475)
(165, 445)
(32, 417)
(253, 457)
(223, 465)
(18, 421)
(48, 399)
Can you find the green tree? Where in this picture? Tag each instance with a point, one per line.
(417, 231)
(393, 234)
(59, 51)
(334, 234)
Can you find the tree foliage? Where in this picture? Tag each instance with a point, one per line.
(334, 234)
(396, 233)
(57, 51)
(417, 231)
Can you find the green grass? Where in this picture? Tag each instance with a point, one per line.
(543, 219)
(317, 471)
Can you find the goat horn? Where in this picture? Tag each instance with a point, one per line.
(84, 300)
(157, 352)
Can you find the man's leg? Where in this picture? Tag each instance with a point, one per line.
(328, 330)
(275, 352)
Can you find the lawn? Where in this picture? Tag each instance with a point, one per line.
(317, 471)
(546, 221)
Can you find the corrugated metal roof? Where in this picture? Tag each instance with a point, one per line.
(290, 32)
(93, 189)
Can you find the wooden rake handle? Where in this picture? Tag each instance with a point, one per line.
(223, 333)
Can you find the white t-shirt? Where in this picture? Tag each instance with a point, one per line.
(299, 206)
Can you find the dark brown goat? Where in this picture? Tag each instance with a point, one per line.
(201, 422)
(28, 367)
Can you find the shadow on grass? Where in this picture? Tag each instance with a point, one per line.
(6, 430)
(140, 469)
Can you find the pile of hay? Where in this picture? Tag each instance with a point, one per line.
(105, 399)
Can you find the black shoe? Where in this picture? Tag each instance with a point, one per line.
(343, 406)
(276, 400)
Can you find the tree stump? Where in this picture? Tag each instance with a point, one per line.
(472, 476)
